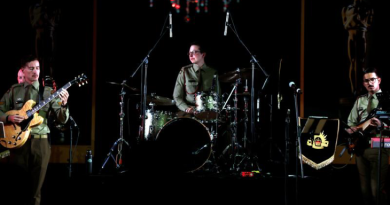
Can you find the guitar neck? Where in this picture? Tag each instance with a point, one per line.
(47, 100)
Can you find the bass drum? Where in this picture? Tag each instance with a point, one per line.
(184, 144)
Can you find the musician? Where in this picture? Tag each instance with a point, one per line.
(194, 78)
(20, 76)
(367, 158)
(33, 157)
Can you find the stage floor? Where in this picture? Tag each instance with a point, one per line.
(327, 186)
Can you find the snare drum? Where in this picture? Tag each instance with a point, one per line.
(184, 144)
(154, 121)
(206, 106)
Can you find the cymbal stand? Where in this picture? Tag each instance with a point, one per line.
(247, 158)
(120, 140)
(235, 146)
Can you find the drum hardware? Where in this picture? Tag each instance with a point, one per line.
(159, 100)
(206, 105)
(232, 76)
(119, 142)
(234, 146)
(125, 85)
(253, 61)
(154, 121)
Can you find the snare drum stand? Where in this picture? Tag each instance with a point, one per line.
(120, 140)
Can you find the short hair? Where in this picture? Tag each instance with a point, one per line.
(371, 70)
(26, 59)
(201, 45)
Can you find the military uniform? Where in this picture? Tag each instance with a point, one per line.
(34, 155)
(367, 158)
(193, 79)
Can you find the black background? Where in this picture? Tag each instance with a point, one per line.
(127, 32)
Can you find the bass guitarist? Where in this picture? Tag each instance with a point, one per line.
(32, 158)
(362, 121)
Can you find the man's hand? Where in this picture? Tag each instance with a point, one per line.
(190, 110)
(351, 130)
(15, 119)
(64, 95)
(375, 122)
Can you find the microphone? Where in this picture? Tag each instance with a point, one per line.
(294, 87)
(170, 25)
(226, 23)
(72, 121)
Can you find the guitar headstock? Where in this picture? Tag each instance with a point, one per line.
(81, 79)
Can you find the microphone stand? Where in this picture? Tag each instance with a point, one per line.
(253, 61)
(72, 124)
(381, 145)
(298, 148)
(286, 155)
(70, 149)
(144, 77)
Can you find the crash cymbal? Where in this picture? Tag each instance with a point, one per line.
(159, 100)
(131, 88)
(232, 76)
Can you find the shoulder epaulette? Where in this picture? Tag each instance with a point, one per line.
(185, 68)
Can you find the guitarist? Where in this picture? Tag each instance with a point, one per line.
(33, 157)
(367, 158)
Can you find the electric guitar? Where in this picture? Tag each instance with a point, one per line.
(17, 134)
(357, 141)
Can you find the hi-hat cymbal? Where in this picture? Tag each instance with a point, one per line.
(159, 100)
(232, 76)
(123, 84)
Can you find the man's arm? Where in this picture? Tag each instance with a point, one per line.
(5, 104)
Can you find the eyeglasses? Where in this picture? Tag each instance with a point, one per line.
(193, 52)
(370, 80)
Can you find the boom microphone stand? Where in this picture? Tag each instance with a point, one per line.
(298, 147)
(144, 76)
(253, 61)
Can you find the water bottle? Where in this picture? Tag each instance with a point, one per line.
(88, 162)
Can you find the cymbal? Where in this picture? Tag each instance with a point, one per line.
(131, 88)
(232, 76)
(159, 100)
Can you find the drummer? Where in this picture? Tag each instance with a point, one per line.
(195, 78)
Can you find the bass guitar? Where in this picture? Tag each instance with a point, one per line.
(15, 135)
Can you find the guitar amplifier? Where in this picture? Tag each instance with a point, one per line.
(375, 142)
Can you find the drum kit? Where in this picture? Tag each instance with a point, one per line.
(193, 140)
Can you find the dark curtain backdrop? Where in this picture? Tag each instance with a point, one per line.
(127, 31)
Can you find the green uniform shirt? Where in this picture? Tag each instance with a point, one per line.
(359, 111)
(14, 99)
(185, 90)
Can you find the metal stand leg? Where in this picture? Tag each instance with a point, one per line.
(121, 140)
